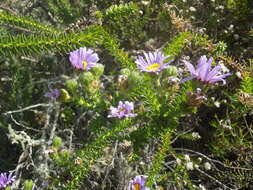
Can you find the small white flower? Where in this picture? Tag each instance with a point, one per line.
(192, 9)
(200, 159)
(231, 27)
(145, 2)
(187, 58)
(207, 166)
(122, 77)
(189, 166)
(196, 135)
(142, 163)
(224, 68)
(236, 36)
(196, 166)
(238, 74)
(217, 104)
(227, 127)
(187, 157)
(78, 161)
(202, 30)
(49, 151)
(178, 160)
(221, 7)
(173, 80)
(226, 124)
(202, 187)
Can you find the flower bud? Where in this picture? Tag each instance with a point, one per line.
(125, 72)
(95, 84)
(65, 154)
(71, 84)
(57, 142)
(28, 185)
(122, 81)
(98, 70)
(86, 78)
(64, 95)
(171, 71)
(194, 99)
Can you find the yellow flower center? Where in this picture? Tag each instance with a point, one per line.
(137, 186)
(85, 63)
(153, 67)
(122, 109)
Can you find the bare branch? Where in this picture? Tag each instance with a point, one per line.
(215, 180)
(26, 108)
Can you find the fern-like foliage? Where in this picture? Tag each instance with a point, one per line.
(29, 45)
(63, 43)
(112, 44)
(26, 23)
(247, 85)
(159, 157)
(125, 20)
(178, 43)
(62, 9)
(241, 7)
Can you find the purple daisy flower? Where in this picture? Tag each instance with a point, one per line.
(123, 110)
(83, 59)
(138, 183)
(152, 62)
(204, 73)
(6, 179)
(53, 93)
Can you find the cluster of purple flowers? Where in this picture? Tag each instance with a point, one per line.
(6, 179)
(154, 62)
(151, 62)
